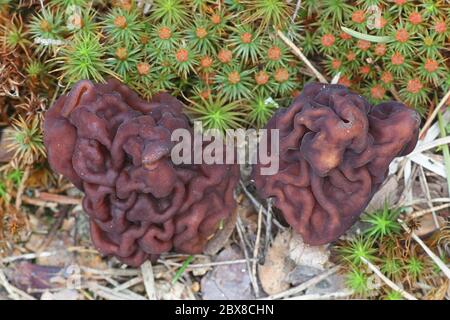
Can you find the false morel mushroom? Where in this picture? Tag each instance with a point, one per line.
(334, 153)
(116, 148)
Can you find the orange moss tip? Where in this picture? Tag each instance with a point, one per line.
(281, 75)
(120, 22)
(182, 55)
(327, 40)
(274, 53)
(205, 94)
(380, 49)
(246, 37)
(351, 56)
(345, 81)
(143, 68)
(377, 92)
(440, 26)
(365, 70)
(415, 18)
(402, 35)
(201, 33)
(380, 23)
(387, 77)
(414, 86)
(121, 53)
(261, 77)
(206, 62)
(164, 33)
(225, 56)
(431, 65)
(234, 77)
(363, 45)
(126, 4)
(345, 36)
(336, 64)
(358, 16)
(397, 58)
(216, 19)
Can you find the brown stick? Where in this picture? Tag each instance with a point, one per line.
(300, 54)
(50, 197)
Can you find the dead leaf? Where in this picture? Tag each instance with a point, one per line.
(427, 225)
(221, 237)
(25, 276)
(230, 281)
(389, 193)
(273, 273)
(91, 260)
(68, 224)
(302, 274)
(63, 257)
(168, 291)
(333, 283)
(304, 254)
(201, 271)
(5, 155)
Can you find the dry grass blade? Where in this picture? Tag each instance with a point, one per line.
(386, 280)
(203, 265)
(434, 257)
(149, 280)
(21, 188)
(421, 213)
(110, 294)
(128, 284)
(324, 296)
(434, 114)
(430, 145)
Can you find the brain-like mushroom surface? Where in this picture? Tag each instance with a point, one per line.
(335, 150)
(116, 148)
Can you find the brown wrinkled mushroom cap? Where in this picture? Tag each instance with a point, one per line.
(116, 148)
(335, 150)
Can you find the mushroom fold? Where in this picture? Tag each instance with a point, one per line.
(116, 147)
(334, 154)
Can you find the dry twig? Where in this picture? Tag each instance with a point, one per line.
(300, 54)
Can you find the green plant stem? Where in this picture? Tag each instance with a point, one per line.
(180, 271)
